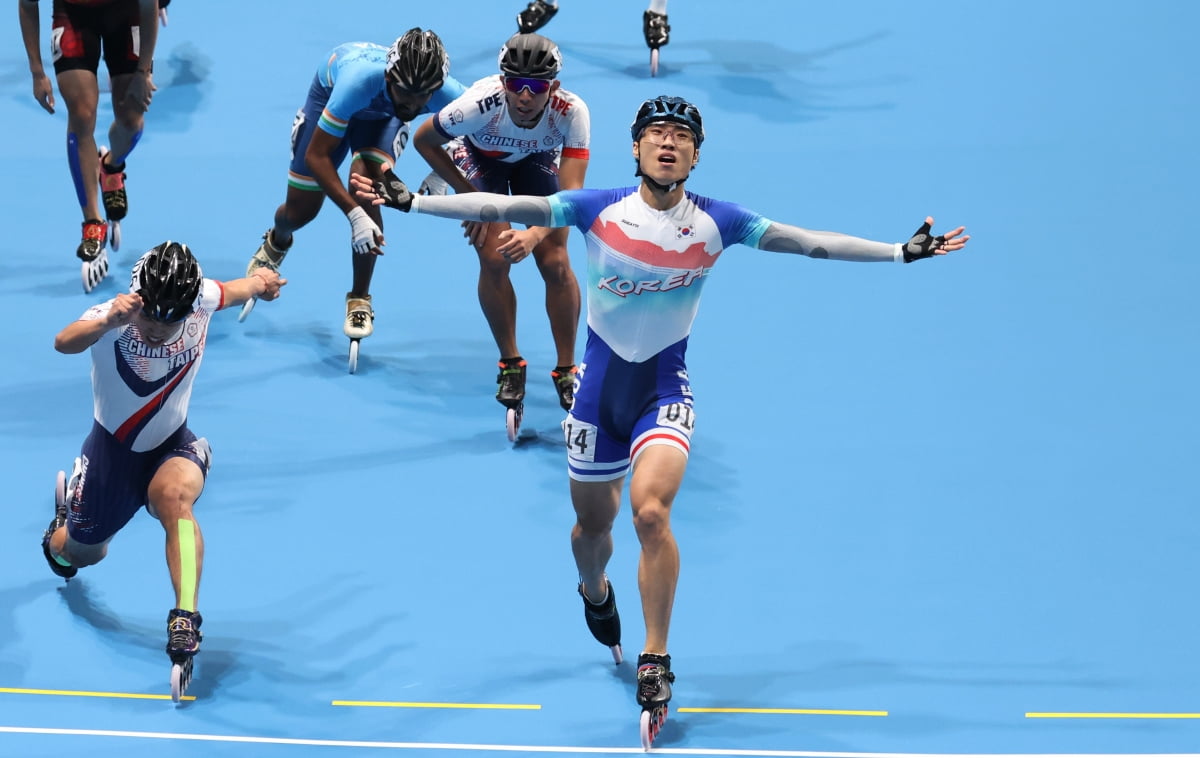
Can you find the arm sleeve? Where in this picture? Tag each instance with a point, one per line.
(784, 238)
(486, 206)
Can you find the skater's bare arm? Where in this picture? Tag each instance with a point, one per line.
(263, 284)
(515, 244)
(428, 142)
(30, 17)
(80, 335)
(319, 157)
(487, 206)
(141, 86)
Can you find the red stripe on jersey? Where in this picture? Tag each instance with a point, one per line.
(134, 421)
(691, 257)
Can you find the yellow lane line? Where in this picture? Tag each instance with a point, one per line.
(1036, 715)
(83, 693)
(793, 711)
(471, 706)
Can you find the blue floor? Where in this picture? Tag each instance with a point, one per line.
(948, 508)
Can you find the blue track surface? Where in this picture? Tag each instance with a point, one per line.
(945, 497)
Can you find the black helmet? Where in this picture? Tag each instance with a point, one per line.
(417, 62)
(667, 108)
(530, 55)
(168, 279)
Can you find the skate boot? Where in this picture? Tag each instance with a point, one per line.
(603, 621)
(360, 318)
(112, 188)
(564, 384)
(654, 680)
(510, 392)
(536, 15)
(95, 235)
(183, 642)
(656, 29)
(360, 322)
(266, 256)
(60, 520)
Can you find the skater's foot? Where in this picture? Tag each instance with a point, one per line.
(95, 234)
(656, 29)
(59, 566)
(654, 680)
(510, 390)
(268, 255)
(183, 634)
(564, 384)
(360, 318)
(603, 621)
(535, 16)
(112, 187)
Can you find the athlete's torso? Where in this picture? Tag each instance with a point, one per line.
(352, 79)
(141, 392)
(480, 115)
(646, 267)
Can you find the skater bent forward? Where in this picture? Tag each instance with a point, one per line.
(146, 347)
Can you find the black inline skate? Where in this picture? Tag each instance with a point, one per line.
(603, 621)
(654, 680)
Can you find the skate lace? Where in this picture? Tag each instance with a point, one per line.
(650, 678)
(358, 319)
(180, 634)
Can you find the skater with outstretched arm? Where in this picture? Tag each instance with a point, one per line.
(650, 248)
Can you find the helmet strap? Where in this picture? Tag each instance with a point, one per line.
(668, 188)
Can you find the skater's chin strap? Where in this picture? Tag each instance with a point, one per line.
(187, 564)
(657, 185)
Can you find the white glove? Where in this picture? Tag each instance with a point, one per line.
(364, 234)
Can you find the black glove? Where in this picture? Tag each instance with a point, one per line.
(922, 245)
(394, 192)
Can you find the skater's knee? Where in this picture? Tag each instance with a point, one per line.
(81, 120)
(593, 526)
(652, 521)
(81, 555)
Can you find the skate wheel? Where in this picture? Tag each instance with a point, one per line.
(353, 356)
(618, 656)
(246, 308)
(651, 724)
(512, 421)
(114, 235)
(654, 61)
(60, 489)
(181, 677)
(93, 272)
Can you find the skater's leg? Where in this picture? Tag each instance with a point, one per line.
(76, 554)
(657, 474)
(562, 293)
(172, 493)
(596, 505)
(300, 206)
(364, 265)
(81, 92)
(496, 295)
(128, 120)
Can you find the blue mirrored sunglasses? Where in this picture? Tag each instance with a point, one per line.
(515, 84)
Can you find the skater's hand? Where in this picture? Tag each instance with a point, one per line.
(141, 90)
(390, 191)
(43, 91)
(924, 245)
(365, 236)
(124, 306)
(476, 232)
(516, 244)
(268, 283)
